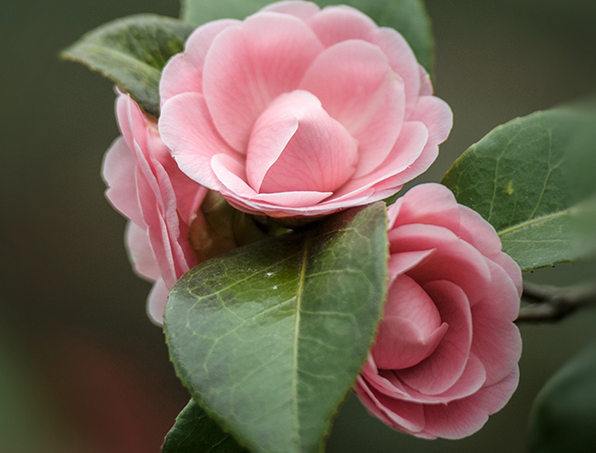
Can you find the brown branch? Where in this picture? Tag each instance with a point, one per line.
(552, 303)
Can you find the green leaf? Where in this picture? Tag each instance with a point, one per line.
(409, 17)
(532, 179)
(132, 52)
(563, 417)
(195, 432)
(269, 337)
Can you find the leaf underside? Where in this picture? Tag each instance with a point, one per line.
(132, 53)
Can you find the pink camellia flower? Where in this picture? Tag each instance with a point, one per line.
(146, 186)
(445, 356)
(298, 111)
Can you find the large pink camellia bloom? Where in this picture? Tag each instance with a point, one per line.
(445, 356)
(298, 111)
(146, 186)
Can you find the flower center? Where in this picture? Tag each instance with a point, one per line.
(296, 146)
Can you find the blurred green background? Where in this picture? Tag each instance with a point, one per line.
(81, 367)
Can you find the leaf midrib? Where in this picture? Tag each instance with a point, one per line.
(296, 336)
(536, 220)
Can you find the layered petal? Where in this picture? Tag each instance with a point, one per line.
(454, 260)
(463, 417)
(411, 328)
(403, 62)
(118, 172)
(430, 205)
(447, 342)
(230, 172)
(296, 146)
(436, 116)
(357, 88)
(184, 71)
(245, 69)
(446, 365)
(220, 95)
(148, 187)
(140, 252)
(339, 23)
(187, 129)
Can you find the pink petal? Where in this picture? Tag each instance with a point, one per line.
(400, 343)
(184, 72)
(246, 69)
(378, 379)
(187, 129)
(300, 9)
(130, 118)
(371, 404)
(431, 204)
(453, 260)
(228, 171)
(118, 171)
(426, 157)
(445, 366)
(158, 205)
(296, 146)
(357, 88)
(401, 415)
(436, 115)
(410, 329)
(177, 230)
(340, 23)
(156, 302)
(426, 88)
(403, 62)
(460, 418)
(392, 213)
(497, 341)
(231, 172)
(189, 194)
(471, 380)
(406, 150)
(179, 76)
(478, 232)
(140, 252)
(400, 263)
(512, 269)
(406, 299)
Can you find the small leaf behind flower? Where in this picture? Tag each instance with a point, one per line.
(533, 180)
(132, 52)
(409, 17)
(195, 432)
(564, 413)
(270, 337)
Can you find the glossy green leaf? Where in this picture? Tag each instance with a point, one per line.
(533, 180)
(270, 337)
(132, 52)
(195, 432)
(563, 417)
(409, 17)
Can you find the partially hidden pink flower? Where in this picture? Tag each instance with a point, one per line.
(445, 356)
(298, 111)
(146, 186)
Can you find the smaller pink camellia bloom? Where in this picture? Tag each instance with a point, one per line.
(446, 352)
(147, 187)
(298, 111)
